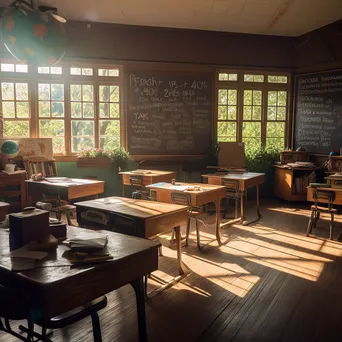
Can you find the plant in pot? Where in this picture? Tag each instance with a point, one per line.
(120, 158)
(93, 157)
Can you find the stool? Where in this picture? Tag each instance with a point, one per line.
(322, 196)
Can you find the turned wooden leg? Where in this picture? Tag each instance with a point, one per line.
(179, 250)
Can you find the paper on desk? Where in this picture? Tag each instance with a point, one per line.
(22, 264)
(24, 252)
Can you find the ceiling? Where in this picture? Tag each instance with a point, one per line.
(272, 17)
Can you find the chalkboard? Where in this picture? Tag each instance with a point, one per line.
(318, 111)
(169, 113)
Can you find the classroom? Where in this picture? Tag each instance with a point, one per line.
(170, 170)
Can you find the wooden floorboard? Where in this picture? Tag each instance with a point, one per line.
(268, 282)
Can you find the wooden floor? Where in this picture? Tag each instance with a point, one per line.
(268, 282)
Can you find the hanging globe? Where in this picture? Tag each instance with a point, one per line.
(33, 37)
(10, 148)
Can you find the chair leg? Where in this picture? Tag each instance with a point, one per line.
(161, 250)
(187, 231)
(226, 208)
(67, 214)
(308, 231)
(236, 209)
(96, 327)
(198, 235)
(331, 226)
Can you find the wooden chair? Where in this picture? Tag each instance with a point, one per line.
(193, 212)
(14, 305)
(232, 193)
(322, 196)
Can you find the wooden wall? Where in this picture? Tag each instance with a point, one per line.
(137, 43)
(320, 49)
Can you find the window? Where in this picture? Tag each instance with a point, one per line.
(227, 77)
(251, 110)
(8, 67)
(108, 72)
(51, 114)
(15, 108)
(50, 70)
(227, 115)
(109, 113)
(81, 71)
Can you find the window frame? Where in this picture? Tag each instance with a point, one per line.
(240, 85)
(33, 78)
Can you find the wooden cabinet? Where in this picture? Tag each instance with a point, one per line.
(13, 190)
(285, 182)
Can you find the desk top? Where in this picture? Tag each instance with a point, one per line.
(56, 268)
(132, 207)
(180, 186)
(149, 173)
(70, 182)
(237, 176)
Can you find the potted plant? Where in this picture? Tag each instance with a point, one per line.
(120, 157)
(93, 157)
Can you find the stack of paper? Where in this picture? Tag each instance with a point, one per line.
(88, 241)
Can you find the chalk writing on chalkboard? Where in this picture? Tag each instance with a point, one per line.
(169, 113)
(318, 115)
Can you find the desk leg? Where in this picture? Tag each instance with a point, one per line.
(243, 219)
(179, 250)
(218, 219)
(258, 201)
(138, 286)
(123, 189)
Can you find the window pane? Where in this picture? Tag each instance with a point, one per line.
(281, 115)
(21, 91)
(57, 91)
(56, 70)
(271, 113)
(16, 129)
(257, 113)
(87, 72)
(114, 93)
(44, 108)
(104, 93)
(248, 78)
(247, 97)
(104, 110)
(88, 110)
(247, 112)
(275, 129)
(226, 131)
(57, 109)
(8, 109)
(257, 97)
(44, 91)
(276, 143)
(231, 112)
(82, 128)
(82, 142)
(114, 110)
(23, 110)
(222, 112)
(7, 91)
(7, 67)
(258, 78)
(113, 72)
(53, 129)
(75, 92)
(251, 130)
(109, 134)
(88, 92)
(222, 96)
(21, 68)
(232, 97)
(282, 98)
(43, 70)
(233, 77)
(75, 71)
(223, 77)
(272, 98)
(76, 109)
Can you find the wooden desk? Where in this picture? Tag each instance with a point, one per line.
(76, 188)
(209, 193)
(246, 181)
(55, 287)
(147, 177)
(151, 218)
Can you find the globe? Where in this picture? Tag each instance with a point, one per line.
(10, 148)
(33, 37)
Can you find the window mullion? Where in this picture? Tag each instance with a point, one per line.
(264, 92)
(67, 118)
(96, 114)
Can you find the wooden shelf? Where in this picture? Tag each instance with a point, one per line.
(284, 182)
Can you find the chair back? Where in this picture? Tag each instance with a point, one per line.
(323, 196)
(34, 165)
(182, 198)
(232, 187)
(135, 180)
